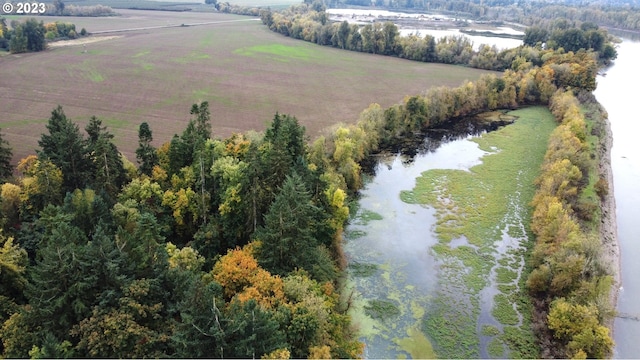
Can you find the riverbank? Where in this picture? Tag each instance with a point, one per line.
(608, 225)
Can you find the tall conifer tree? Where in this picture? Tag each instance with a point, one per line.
(146, 153)
(288, 238)
(6, 170)
(108, 170)
(65, 148)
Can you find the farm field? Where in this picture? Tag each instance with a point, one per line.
(246, 72)
(178, 4)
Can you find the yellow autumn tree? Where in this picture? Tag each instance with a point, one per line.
(577, 326)
(183, 204)
(344, 154)
(552, 223)
(10, 206)
(242, 278)
(340, 212)
(41, 184)
(279, 354)
(184, 259)
(559, 179)
(236, 145)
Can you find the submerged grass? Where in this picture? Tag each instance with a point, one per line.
(416, 344)
(496, 348)
(382, 309)
(479, 204)
(490, 330)
(503, 310)
(364, 216)
(362, 269)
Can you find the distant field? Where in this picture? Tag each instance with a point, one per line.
(246, 72)
(178, 4)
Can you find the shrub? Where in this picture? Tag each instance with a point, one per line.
(602, 188)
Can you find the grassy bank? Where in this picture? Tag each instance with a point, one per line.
(483, 216)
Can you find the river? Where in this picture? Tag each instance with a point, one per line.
(615, 92)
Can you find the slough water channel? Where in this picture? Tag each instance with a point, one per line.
(412, 282)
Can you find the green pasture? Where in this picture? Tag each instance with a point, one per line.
(281, 52)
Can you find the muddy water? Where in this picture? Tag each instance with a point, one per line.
(390, 239)
(616, 93)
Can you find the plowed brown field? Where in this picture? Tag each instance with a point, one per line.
(246, 72)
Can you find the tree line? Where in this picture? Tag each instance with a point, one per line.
(32, 36)
(612, 14)
(570, 280)
(310, 22)
(58, 7)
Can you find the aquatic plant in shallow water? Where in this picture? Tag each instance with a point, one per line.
(487, 207)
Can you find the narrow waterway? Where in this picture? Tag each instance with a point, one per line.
(404, 286)
(388, 247)
(616, 92)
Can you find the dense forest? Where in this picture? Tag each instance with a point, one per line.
(232, 247)
(212, 248)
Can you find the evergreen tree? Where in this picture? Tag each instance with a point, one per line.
(288, 143)
(200, 332)
(143, 245)
(94, 129)
(34, 31)
(288, 238)
(108, 170)
(146, 153)
(87, 210)
(287, 136)
(28, 36)
(71, 275)
(57, 290)
(202, 120)
(65, 148)
(183, 149)
(6, 170)
(270, 161)
(251, 331)
(52, 348)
